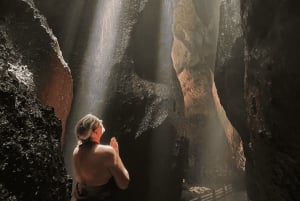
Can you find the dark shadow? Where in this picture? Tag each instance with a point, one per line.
(145, 39)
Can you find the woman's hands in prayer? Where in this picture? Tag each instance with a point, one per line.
(114, 144)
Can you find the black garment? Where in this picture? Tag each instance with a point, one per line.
(93, 193)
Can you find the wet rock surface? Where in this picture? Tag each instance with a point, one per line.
(144, 108)
(32, 166)
(264, 103)
(213, 141)
(271, 95)
(229, 70)
(144, 111)
(38, 49)
(229, 79)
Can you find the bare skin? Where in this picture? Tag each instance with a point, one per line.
(95, 165)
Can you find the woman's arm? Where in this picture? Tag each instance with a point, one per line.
(118, 169)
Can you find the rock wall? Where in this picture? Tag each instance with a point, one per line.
(259, 91)
(235, 145)
(229, 75)
(70, 21)
(211, 135)
(230, 68)
(195, 34)
(40, 51)
(32, 119)
(32, 166)
(271, 94)
(145, 109)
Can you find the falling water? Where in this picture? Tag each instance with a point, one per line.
(98, 59)
(108, 38)
(95, 69)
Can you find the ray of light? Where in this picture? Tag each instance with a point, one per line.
(97, 61)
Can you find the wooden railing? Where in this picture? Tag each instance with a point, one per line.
(214, 194)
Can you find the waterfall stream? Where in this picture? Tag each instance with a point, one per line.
(95, 68)
(107, 40)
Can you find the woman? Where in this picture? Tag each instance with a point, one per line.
(96, 164)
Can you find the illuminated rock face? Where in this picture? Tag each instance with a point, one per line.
(32, 112)
(213, 140)
(271, 94)
(40, 52)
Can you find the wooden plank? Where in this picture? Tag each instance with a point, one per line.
(215, 194)
(206, 195)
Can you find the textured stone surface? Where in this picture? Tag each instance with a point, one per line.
(213, 141)
(32, 166)
(144, 111)
(195, 33)
(234, 141)
(39, 49)
(229, 68)
(271, 94)
(264, 103)
(229, 75)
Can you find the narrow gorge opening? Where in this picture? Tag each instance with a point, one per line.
(152, 40)
(93, 64)
(202, 96)
(203, 38)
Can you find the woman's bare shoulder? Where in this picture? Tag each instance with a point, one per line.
(107, 153)
(105, 149)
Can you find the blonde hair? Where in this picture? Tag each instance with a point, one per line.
(86, 126)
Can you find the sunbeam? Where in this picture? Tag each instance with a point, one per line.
(97, 61)
(98, 58)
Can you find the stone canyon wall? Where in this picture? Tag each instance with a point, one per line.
(211, 148)
(271, 94)
(33, 113)
(52, 77)
(259, 89)
(154, 108)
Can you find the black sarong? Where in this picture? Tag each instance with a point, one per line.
(93, 193)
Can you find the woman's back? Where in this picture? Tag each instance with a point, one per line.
(91, 163)
(96, 164)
